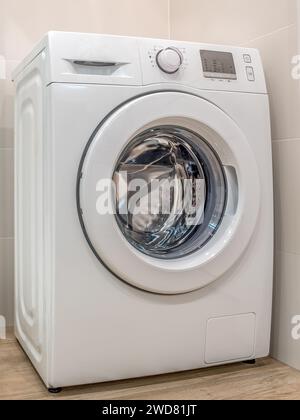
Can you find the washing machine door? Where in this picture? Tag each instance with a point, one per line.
(168, 193)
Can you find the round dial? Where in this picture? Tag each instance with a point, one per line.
(169, 60)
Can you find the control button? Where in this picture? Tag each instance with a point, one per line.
(250, 74)
(169, 60)
(247, 58)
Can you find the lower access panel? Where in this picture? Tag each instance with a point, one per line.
(230, 338)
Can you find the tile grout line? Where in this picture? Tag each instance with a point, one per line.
(298, 24)
(279, 251)
(283, 28)
(169, 19)
(285, 140)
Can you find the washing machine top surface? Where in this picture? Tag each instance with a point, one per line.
(117, 60)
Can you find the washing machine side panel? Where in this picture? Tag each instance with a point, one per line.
(105, 330)
(30, 139)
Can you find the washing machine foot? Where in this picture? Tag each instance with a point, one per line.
(250, 362)
(54, 390)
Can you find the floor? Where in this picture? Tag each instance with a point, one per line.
(268, 379)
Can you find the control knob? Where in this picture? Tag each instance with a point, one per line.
(169, 60)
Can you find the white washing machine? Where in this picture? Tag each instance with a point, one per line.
(103, 296)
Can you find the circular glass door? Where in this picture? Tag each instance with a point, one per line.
(183, 193)
(170, 192)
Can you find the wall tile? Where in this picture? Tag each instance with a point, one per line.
(286, 306)
(287, 197)
(6, 193)
(229, 21)
(6, 113)
(26, 22)
(6, 137)
(283, 89)
(6, 279)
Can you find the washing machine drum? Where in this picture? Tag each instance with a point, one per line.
(168, 193)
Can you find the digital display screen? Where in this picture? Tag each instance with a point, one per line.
(218, 64)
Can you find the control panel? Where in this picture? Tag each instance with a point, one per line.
(129, 61)
(202, 66)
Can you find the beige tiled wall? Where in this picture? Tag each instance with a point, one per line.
(271, 26)
(22, 23)
(229, 21)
